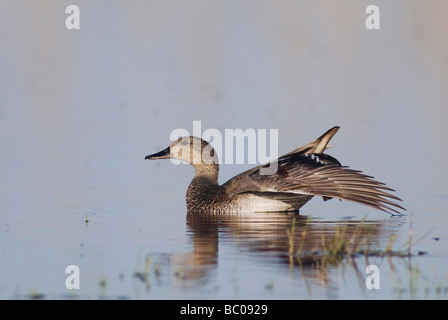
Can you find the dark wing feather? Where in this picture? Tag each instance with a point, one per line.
(317, 175)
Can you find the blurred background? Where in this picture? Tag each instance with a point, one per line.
(137, 70)
(80, 109)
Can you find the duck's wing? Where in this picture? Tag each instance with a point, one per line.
(317, 146)
(316, 175)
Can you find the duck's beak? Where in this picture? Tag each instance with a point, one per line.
(164, 154)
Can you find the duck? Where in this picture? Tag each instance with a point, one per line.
(300, 175)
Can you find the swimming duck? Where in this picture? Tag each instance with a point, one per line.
(300, 174)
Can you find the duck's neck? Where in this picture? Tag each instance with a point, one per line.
(204, 189)
(207, 172)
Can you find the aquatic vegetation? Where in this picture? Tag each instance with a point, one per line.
(340, 245)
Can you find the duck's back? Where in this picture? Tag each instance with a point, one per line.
(205, 196)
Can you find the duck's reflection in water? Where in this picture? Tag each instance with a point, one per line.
(291, 242)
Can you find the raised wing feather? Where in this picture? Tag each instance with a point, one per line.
(317, 175)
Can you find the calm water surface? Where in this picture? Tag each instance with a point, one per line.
(140, 243)
(79, 111)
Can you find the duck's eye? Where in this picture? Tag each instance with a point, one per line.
(184, 143)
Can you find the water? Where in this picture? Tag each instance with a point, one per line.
(79, 111)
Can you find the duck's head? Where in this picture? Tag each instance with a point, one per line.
(193, 150)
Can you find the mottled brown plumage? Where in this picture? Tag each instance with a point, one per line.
(300, 175)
